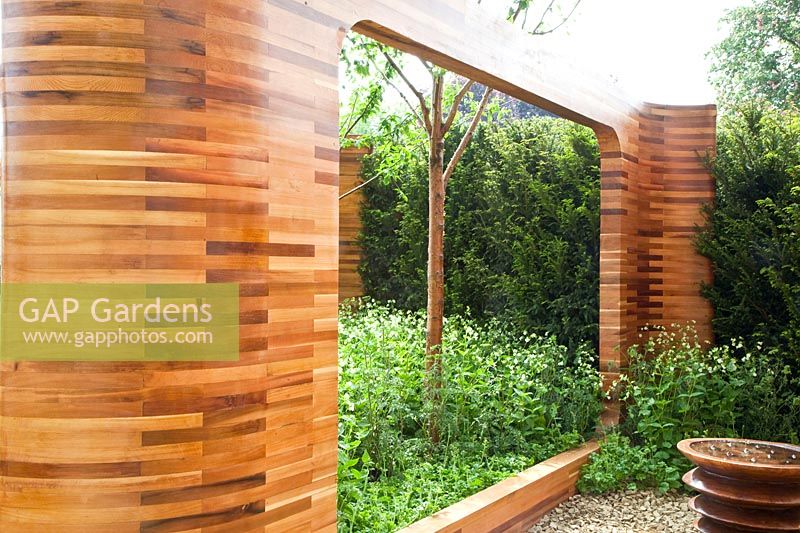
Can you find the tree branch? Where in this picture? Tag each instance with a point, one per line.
(417, 93)
(782, 36)
(436, 102)
(422, 124)
(515, 15)
(350, 117)
(354, 124)
(544, 15)
(427, 65)
(563, 21)
(451, 115)
(462, 146)
(359, 187)
(360, 117)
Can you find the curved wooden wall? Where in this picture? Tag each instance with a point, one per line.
(196, 140)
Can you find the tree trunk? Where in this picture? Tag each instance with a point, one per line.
(436, 196)
(435, 307)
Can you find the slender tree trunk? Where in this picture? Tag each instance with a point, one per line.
(435, 307)
(436, 197)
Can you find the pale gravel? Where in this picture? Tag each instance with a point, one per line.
(623, 512)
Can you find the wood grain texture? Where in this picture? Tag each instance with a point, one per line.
(515, 504)
(196, 141)
(350, 222)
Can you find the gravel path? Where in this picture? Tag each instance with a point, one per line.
(624, 512)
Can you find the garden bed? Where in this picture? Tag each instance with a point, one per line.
(507, 402)
(513, 504)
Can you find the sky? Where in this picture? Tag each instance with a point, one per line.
(654, 50)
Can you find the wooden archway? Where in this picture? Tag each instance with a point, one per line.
(197, 141)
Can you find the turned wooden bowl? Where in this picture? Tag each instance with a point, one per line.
(744, 485)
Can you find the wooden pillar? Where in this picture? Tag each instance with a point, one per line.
(350, 222)
(674, 143)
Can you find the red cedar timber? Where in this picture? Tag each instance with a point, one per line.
(350, 222)
(140, 136)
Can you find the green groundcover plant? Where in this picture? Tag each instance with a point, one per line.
(679, 388)
(508, 402)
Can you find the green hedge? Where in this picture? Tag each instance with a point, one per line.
(522, 230)
(753, 234)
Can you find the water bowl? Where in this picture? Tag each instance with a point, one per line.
(744, 485)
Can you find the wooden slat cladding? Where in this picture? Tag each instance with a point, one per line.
(196, 141)
(144, 144)
(674, 143)
(350, 222)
